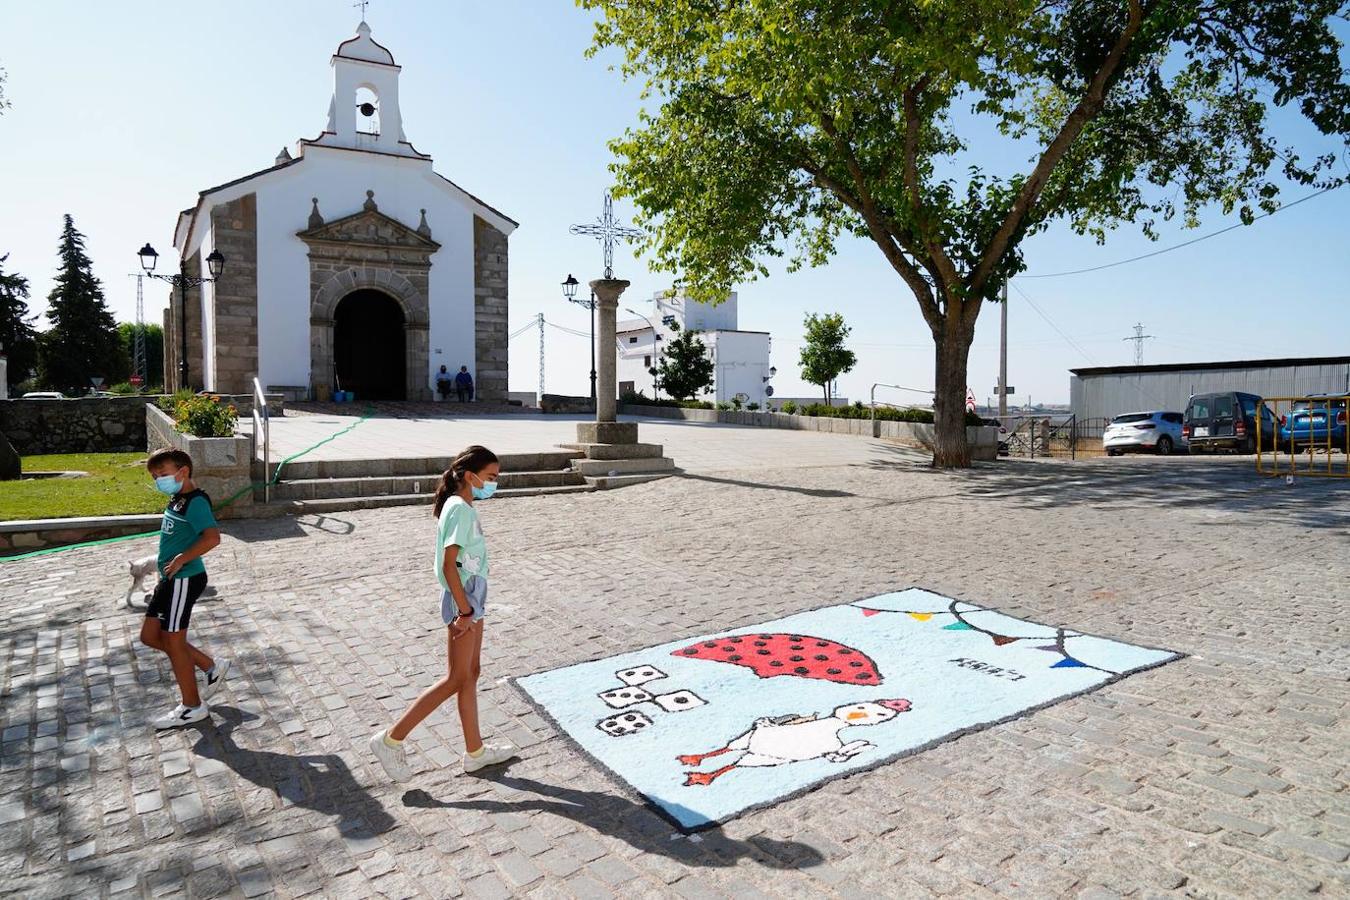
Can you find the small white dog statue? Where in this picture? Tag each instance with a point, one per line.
(140, 570)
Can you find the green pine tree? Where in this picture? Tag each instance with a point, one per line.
(18, 340)
(83, 341)
(686, 369)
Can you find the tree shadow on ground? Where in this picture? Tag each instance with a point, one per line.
(1223, 485)
(765, 485)
(318, 782)
(631, 822)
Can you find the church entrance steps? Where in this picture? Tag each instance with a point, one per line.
(408, 409)
(547, 461)
(395, 485)
(338, 504)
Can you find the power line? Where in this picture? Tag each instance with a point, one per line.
(1139, 338)
(1042, 314)
(1203, 237)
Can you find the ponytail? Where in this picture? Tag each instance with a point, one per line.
(472, 459)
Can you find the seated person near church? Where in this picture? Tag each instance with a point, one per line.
(464, 384)
(443, 383)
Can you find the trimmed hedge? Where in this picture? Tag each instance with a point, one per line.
(883, 413)
(640, 399)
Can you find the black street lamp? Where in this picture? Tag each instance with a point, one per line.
(215, 264)
(570, 293)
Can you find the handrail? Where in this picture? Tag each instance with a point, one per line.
(262, 422)
(872, 396)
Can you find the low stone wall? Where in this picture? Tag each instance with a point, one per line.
(93, 424)
(983, 438)
(220, 466)
(26, 536)
(558, 403)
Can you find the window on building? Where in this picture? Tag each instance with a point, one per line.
(647, 362)
(633, 340)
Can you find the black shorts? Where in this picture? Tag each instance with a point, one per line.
(173, 601)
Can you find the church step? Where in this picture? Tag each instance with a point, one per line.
(616, 451)
(356, 468)
(605, 467)
(337, 504)
(610, 482)
(400, 485)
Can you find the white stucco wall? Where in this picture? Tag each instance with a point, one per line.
(340, 178)
(740, 364)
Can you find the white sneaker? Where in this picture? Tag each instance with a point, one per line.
(182, 715)
(394, 760)
(493, 754)
(212, 680)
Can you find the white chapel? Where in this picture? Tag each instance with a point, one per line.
(351, 264)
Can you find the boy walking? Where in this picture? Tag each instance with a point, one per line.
(187, 532)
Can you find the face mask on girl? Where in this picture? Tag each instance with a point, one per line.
(487, 490)
(168, 484)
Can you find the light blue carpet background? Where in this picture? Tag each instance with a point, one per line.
(914, 658)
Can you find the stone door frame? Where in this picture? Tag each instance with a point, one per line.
(369, 251)
(416, 325)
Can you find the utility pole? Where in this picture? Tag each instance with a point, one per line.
(1003, 356)
(541, 359)
(138, 366)
(1139, 338)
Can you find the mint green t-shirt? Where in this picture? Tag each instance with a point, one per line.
(187, 516)
(459, 525)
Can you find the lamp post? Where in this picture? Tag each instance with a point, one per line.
(215, 264)
(656, 350)
(570, 293)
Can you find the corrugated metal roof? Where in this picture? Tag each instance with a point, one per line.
(1225, 364)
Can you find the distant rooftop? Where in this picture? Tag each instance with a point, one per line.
(1225, 364)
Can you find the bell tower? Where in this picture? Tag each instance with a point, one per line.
(364, 112)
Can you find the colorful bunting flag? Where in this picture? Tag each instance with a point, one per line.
(956, 626)
(922, 617)
(1068, 662)
(869, 612)
(1000, 639)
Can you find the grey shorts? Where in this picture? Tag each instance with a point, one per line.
(476, 589)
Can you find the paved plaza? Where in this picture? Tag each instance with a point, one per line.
(1223, 774)
(695, 446)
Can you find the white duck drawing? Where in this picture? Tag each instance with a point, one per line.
(789, 739)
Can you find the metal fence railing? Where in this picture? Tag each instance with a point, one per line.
(262, 437)
(1312, 436)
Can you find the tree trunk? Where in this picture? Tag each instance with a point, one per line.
(950, 450)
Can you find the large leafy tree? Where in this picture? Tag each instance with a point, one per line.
(18, 340)
(824, 356)
(781, 124)
(154, 350)
(686, 369)
(82, 342)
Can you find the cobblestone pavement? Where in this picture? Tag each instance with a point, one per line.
(1221, 775)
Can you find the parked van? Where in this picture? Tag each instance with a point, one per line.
(1227, 420)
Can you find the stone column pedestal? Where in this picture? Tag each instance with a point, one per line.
(605, 430)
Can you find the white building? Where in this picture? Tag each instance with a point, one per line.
(740, 358)
(350, 262)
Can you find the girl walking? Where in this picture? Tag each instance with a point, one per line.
(462, 567)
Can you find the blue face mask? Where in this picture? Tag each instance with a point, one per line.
(168, 484)
(487, 490)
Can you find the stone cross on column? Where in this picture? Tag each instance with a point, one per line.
(605, 430)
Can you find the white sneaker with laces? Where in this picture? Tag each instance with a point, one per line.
(212, 680)
(493, 754)
(182, 715)
(394, 759)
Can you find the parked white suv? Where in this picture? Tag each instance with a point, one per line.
(1157, 432)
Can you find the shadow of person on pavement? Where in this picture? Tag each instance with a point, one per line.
(320, 782)
(633, 823)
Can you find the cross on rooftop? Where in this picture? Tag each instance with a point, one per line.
(363, 4)
(607, 230)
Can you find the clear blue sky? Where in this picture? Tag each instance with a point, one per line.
(122, 113)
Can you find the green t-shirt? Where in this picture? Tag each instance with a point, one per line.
(186, 517)
(459, 525)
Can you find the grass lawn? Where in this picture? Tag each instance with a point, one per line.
(117, 484)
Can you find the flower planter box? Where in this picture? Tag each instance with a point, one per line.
(221, 466)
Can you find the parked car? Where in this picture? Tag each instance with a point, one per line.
(1157, 432)
(44, 395)
(1307, 423)
(1227, 420)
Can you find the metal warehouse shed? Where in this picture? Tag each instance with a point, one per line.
(1102, 393)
